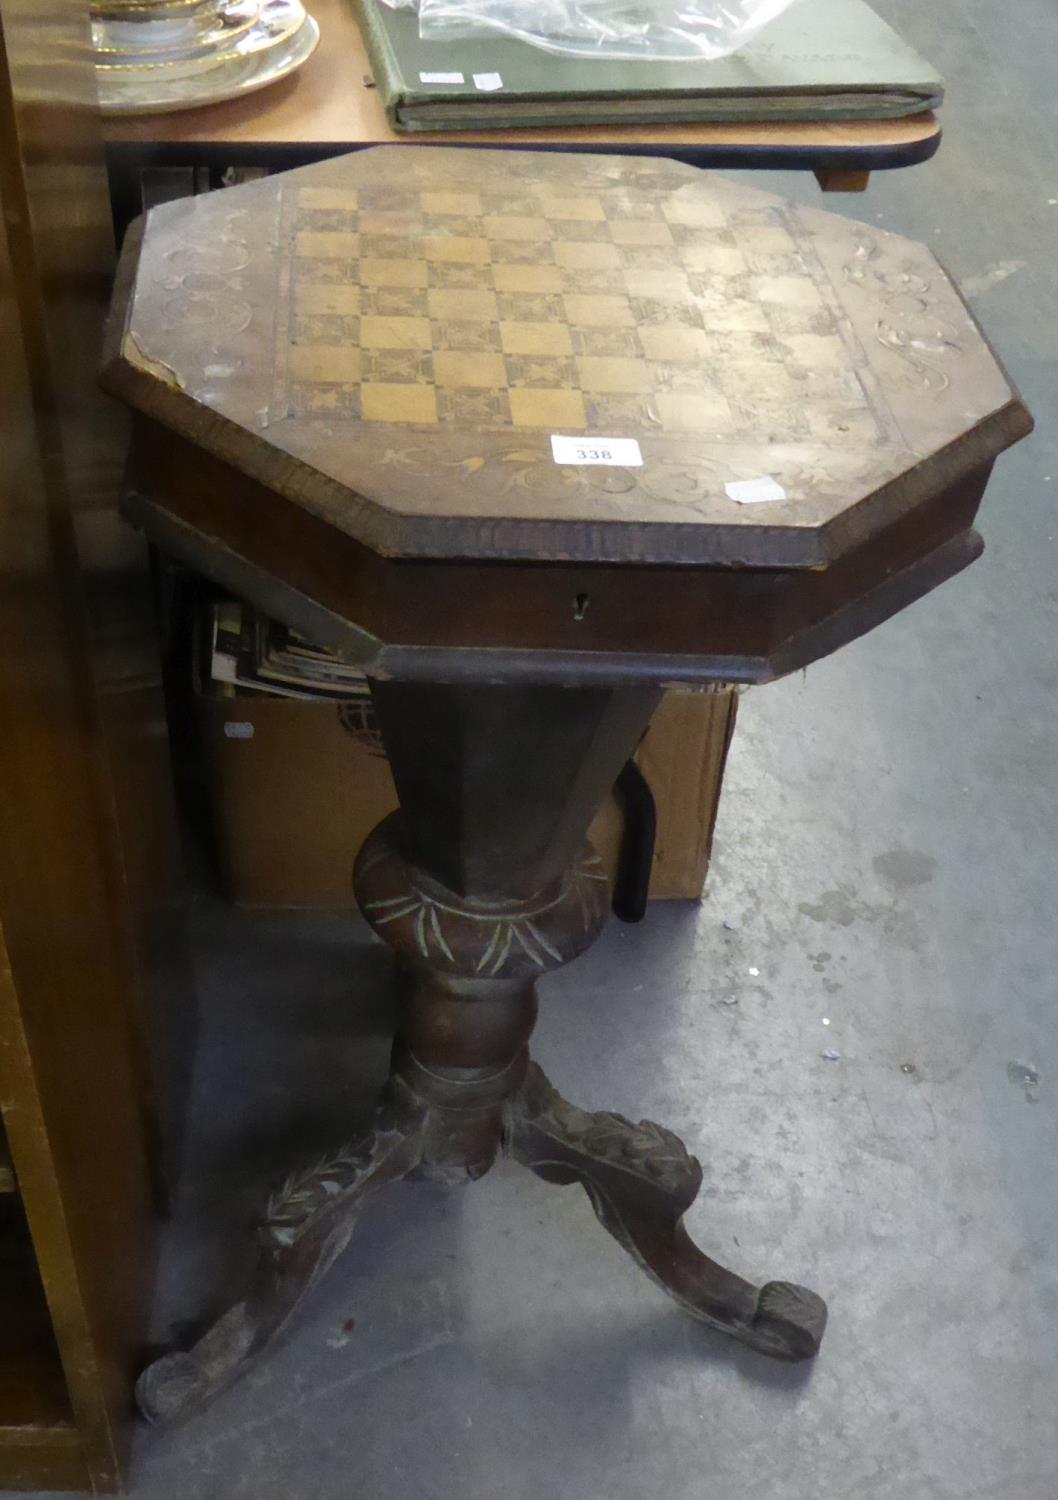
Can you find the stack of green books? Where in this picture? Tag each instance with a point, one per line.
(822, 59)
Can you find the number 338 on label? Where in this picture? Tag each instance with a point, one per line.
(619, 453)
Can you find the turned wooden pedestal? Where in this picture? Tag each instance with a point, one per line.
(485, 422)
(483, 884)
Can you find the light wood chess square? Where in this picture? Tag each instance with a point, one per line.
(674, 341)
(452, 367)
(720, 260)
(516, 229)
(393, 273)
(323, 244)
(599, 311)
(572, 208)
(395, 333)
(535, 338)
(626, 376)
(398, 225)
(662, 286)
(344, 199)
(460, 205)
(326, 297)
(587, 255)
(463, 304)
(641, 232)
(684, 209)
(398, 403)
(555, 410)
(527, 278)
(464, 251)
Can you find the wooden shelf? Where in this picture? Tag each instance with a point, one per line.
(32, 1389)
(89, 897)
(39, 1443)
(326, 106)
(8, 1183)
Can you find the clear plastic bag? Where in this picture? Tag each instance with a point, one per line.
(651, 30)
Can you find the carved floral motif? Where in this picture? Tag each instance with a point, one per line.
(479, 940)
(204, 281)
(909, 326)
(306, 1192)
(641, 1180)
(611, 1139)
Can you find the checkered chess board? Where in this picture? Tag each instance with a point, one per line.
(620, 309)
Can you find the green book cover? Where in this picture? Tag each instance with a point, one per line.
(822, 59)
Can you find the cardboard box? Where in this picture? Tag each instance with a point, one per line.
(296, 786)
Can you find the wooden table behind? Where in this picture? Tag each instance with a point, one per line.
(328, 106)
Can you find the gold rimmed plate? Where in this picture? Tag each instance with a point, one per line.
(159, 77)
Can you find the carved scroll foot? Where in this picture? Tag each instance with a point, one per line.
(641, 1180)
(308, 1224)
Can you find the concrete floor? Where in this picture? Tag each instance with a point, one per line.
(885, 858)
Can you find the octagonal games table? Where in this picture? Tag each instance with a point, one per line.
(531, 436)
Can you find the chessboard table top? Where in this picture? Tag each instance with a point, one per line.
(391, 339)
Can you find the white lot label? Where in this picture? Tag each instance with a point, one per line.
(619, 453)
(237, 729)
(488, 83)
(441, 78)
(755, 491)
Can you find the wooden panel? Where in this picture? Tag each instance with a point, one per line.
(8, 1183)
(74, 944)
(683, 759)
(33, 1391)
(40, 1447)
(328, 103)
(42, 1461)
